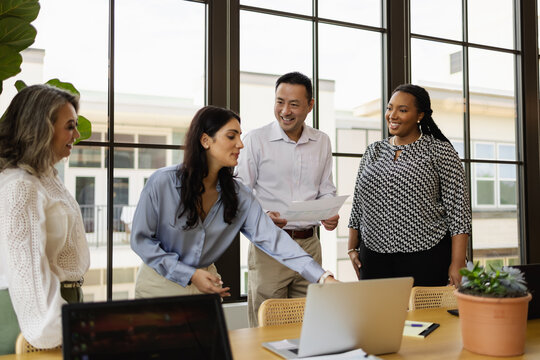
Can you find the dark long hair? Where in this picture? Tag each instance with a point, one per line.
(207, 120)
(423, 105)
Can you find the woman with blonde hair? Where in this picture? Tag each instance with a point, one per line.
(43, 249)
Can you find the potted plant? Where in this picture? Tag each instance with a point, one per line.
(493, 304)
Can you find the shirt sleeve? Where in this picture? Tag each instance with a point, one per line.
(147, 245)
(34, 289)
(275, 242)
(327, 187)
(453, 187)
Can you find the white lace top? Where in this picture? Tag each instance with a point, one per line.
(42, 242)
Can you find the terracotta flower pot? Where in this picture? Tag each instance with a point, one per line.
(493, 326)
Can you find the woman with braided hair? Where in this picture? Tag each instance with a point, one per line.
(411, 214)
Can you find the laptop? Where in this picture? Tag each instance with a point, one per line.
(532, 276)
(338, 317)
(188, 327)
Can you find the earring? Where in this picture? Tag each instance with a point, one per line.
(418, 122)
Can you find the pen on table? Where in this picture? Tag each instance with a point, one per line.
(415, 325)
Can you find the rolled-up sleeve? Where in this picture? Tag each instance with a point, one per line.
(454, 194)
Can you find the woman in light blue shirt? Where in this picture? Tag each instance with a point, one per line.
(189, 214)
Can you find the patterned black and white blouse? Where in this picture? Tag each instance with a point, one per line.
(409, 204)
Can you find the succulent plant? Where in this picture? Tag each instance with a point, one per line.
(492, 281)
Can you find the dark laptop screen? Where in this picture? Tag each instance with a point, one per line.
(184, 327)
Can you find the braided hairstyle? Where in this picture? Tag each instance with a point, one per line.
(423, 105)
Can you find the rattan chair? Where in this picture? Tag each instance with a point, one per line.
(281, 311)
(22, 346)
(429, 297)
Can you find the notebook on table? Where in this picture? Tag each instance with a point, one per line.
(339, 317)
(189, 327)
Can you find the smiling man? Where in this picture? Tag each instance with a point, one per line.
(286, 161)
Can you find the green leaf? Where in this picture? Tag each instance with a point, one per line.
(16, 33)
(27, 10)
(63, 85)
(85, 129)
(10, 62)
(19, 85)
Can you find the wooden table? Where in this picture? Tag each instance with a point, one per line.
(443, 343)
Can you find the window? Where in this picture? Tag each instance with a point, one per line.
(162, 74)
(475, 105)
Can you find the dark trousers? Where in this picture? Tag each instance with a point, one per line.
(428, 267)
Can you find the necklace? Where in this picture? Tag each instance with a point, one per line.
(394, 139)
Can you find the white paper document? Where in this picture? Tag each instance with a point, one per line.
(314, 210)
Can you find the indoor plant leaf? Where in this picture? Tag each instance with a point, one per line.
(63, 85)
(10, 62)
(27, 10)
(85, 129)
(16, 33)
(19, 85)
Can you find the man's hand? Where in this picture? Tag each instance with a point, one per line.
(331, 223)
(275, 216)
(208, 283)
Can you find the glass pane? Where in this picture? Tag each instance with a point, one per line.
(85, 156)
(343, 104)
(507, 171)
(85, 190)
(485, 192)
(485, 170)
(431, 68)
(458, 146)
(491, 23)
(492, 97)
(508, 193)
(439, 18)
(507, 152)
(123, 157)
(263, 60)
(495, 236)
(158, 86)
(152, 158)
(295, 6)
(89, 188)
(128, 186)
(366, 12)
(484, 151)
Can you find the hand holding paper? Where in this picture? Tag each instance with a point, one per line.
(314, 210)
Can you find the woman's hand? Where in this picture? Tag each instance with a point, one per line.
(459, 251)
(454, 277)
(209, 284)
(330, 279)
(355, 260)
